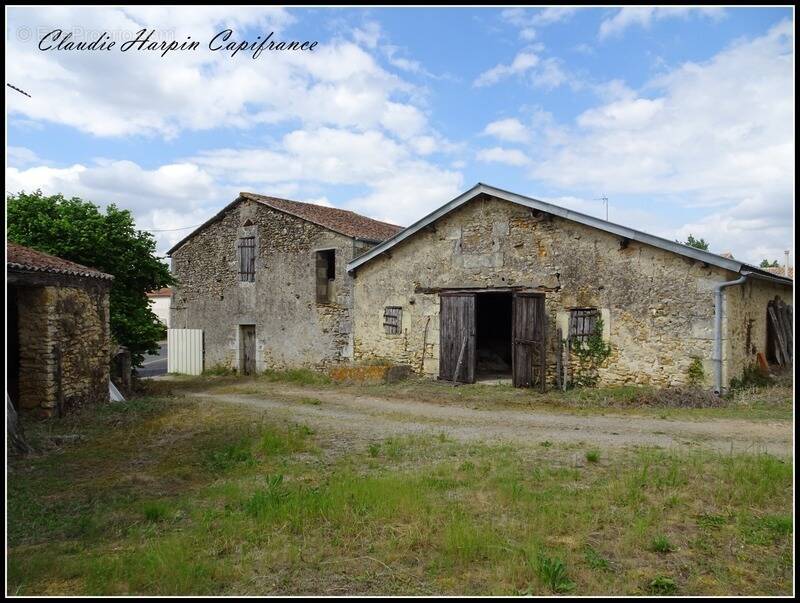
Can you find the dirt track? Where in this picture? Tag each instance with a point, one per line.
(371, 418)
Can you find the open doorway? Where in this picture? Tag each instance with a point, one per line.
(493, 348)
(493, 337)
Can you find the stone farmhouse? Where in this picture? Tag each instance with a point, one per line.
(58, 334)
(266, 281)
(496, 285)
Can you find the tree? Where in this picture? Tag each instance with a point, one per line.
(79, 231)
(696, 243)
(767, 264)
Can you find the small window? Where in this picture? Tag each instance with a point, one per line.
(247, 259)
(582, 323)
(392, 320)
(326, 276)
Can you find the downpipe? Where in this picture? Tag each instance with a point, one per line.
(717, 357)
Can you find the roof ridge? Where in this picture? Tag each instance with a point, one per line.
(563, 212)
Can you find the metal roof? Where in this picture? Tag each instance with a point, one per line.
(568, 214)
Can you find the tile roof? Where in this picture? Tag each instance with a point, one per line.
(342, 221)
(163, 292)
(779, 271)
(19, 257)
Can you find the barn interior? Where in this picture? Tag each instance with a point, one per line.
(493, 336)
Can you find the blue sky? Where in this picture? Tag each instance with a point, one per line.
(683, 118)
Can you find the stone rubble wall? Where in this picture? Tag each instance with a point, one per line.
(64, 340)
(292, 329)
(658, 306)
(745, 316)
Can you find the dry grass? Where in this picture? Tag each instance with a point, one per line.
(168, 495)
(773, 403)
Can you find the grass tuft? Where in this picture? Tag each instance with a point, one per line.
(155, 511)
(662, 585)
(661, 544)
(553, 573)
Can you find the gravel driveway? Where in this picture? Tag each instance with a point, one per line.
(370, 418)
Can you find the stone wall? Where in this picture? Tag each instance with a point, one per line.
(658, 307)
(745, 316)
(64, 345)
(292, 329)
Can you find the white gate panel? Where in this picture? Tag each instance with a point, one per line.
(185, 351)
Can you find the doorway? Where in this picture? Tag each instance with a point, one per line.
(247, 349)
(493, 335)
(493, 350)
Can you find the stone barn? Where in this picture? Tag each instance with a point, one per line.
(58, 346)
(500, 287)
(266, 281)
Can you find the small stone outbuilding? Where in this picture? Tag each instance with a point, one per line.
(499, 286)
(265, 280)
(59, 337)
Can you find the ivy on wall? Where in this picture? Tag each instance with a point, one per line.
(590, 355)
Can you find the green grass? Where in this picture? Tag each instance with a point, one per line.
(661, 544)
(171, 496)
(298, 376)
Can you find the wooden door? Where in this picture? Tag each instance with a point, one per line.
(457, 337)
(247, 349)
(528, 334)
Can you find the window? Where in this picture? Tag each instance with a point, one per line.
(247, 259)
(582, 323)
(326, 275)
(392, 320)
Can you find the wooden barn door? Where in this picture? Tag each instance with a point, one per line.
(529, 327)
(247, 349)
(457, 337)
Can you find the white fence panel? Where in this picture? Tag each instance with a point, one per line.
(185, 351)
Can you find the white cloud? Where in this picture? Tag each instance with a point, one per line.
(513, 157)
(113, 94)
(529, 21)
(547, 72)
(551, 75)
(21, 156)
(400, 187)
(643, 16)
(524, 61)
(168, 197)
(369, 34)
(353, 123)
(716, 136)
(509, 130)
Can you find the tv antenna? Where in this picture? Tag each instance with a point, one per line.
(604, 199)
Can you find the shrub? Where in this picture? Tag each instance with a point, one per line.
(695, 372)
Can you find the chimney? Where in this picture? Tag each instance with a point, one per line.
(786, 264)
